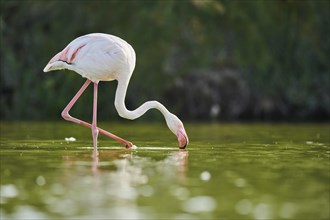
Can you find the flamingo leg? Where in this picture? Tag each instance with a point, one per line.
(95, 130)
(68, 117)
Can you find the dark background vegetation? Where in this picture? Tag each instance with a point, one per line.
(205, 60)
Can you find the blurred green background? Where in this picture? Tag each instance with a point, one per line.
(204, 60)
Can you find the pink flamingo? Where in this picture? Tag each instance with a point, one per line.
(104, 57)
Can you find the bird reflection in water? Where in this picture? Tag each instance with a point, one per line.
(123, 160)
(120, 172)
(114, 180)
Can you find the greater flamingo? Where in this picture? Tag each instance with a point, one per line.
(104, 57)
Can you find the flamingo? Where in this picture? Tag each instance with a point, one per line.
(103, 57)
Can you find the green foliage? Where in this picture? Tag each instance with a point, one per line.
(281, 47)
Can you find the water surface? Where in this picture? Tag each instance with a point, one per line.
(230, 171)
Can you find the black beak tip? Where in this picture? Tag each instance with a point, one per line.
(184, 146)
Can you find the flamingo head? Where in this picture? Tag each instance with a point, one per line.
(177, 128)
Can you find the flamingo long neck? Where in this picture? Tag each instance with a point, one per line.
(128, 114)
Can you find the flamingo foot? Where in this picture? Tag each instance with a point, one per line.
(128, 145)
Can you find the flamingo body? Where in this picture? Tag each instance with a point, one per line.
(104, 57)
(97, 57)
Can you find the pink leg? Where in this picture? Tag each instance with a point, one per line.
(68, 117)
(95, 130)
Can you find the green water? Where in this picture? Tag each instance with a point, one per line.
(229, 171)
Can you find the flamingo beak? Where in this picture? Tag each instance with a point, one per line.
(182, 138)
(48, 67)
(54, 63)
